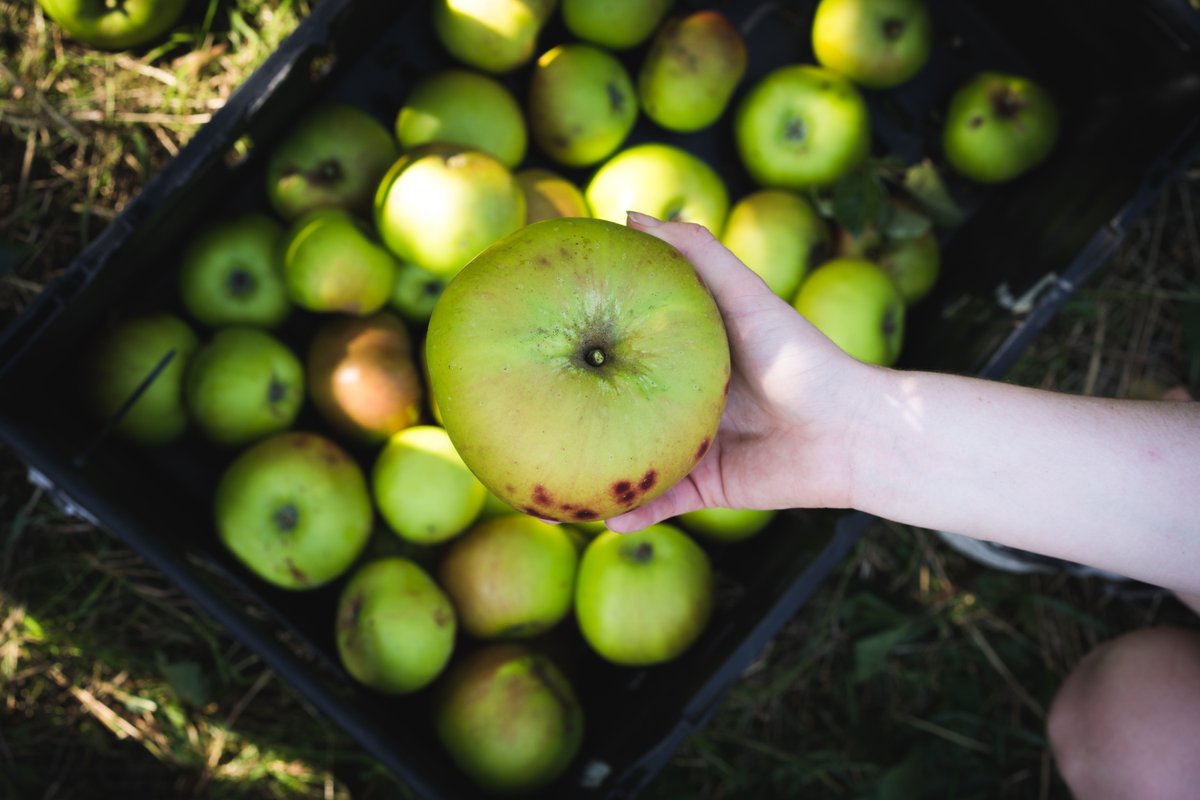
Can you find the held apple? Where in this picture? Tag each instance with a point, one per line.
(582, 104)
(615, 24)
(416, 292)
(548, 195)
(511, 577)
(663, 181)
(333, 158)
(440, 205)
(395, 626)
(232, 274)
(999, 126)
(424, 490)
(726, 524)
(875, 43)
(294, 509)
(580, 367)
(643, 598)
(362, 378)
(493, 35)
(463, 108)
(331, 262)
(124, 358)
(243, 385)
(112, 25)
(509, 718)
(779, 235)
(802, 127)
(857, 305)
(689, 74)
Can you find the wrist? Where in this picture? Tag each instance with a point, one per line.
(871, 433)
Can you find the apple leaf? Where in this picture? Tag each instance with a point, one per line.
(859, 198)
(904, 223)
(926, 187)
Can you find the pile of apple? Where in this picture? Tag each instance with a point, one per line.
(359, 233)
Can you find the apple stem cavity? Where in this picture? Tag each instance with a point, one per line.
(616, 98)
(1007, 103)
(287, 517)
(795, 130)
(641, 554)
(893, 28)
(240, 282)
(889, 323)
(277, 391)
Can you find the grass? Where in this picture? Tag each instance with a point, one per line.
(913, 672)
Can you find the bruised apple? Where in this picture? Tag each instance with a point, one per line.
(580, 367)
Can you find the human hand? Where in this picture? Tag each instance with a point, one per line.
(787, 432)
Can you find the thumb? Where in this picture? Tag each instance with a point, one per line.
(680, 498)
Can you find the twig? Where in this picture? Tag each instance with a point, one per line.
(64, 123)
(160, 75)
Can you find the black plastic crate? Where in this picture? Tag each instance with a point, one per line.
(1126, 75)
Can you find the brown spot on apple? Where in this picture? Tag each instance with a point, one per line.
(585, 513)
(297, 574)
(530, 510)
(703, 448)
(541, 497)
(442, 617)
(648, 480)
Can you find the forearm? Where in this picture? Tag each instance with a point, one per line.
(1114, 484)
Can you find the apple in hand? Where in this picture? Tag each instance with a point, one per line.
(857, 305)
(580, 367)
(362, 378)
(124, 358)
(510, 577)
(493, 35)
(689, 74)
(615, 24)
(509, 718)
(661, 180)
(875, 43)
(726, 524)
(395, 626)
(582, 104)
(999, 126)
(332, 158)
(231, 274)
(778, 234)
(424, 490)
(643, 598)
(548, 195)
(332, 263)
(294, 509)
(114, 24)
(243, 385)
(463, 108)
(440, 205)
(802, 127)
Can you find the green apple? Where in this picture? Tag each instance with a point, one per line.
(416, 292)
(875, 43)
(332, 262)
(689, 74)
(548, 195)
(580, 367)
(778, 234)
(643, 598)
(231, 274)
(440, 205)
(615, 24)
(494, 507)
(332, 158)
(362, 377)
(726, 524)
(801, 127)
(422, 487)
(582, 104)
(857, 305)
(999, 126)
(661, 180)
(909, 252)
(395, 626)
(493, 35)
(509, 718)
(243, 385)
(464, 108)
(294, 509)
(114, 24)
(124, 358)
(510, 577)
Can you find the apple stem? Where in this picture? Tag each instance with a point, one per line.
(287, 517)
(240, 282)
(893, 28)
(595, 357)
(642, 553)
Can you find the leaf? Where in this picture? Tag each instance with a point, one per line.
(858, 198)
(870, 653)
(903, 224)
(925, 186)
(187, 679)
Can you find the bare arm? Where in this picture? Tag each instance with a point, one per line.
(1113, 484)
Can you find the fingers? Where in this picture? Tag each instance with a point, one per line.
(679, 499)
(726, 276)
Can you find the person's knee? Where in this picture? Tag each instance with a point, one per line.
(1126, 722)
